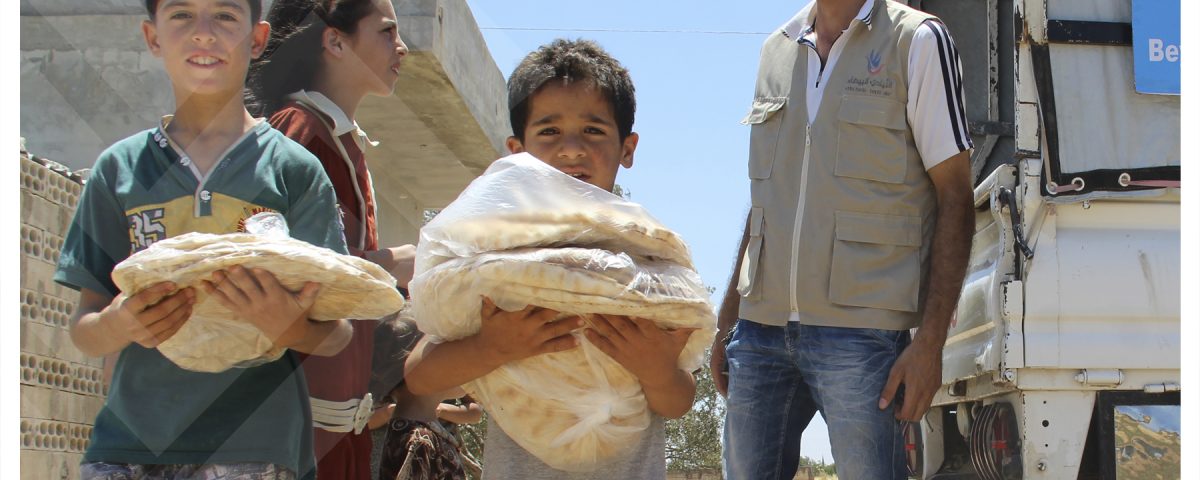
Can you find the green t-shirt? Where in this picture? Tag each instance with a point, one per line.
(142, 190)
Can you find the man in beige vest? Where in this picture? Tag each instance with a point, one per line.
(859, 230)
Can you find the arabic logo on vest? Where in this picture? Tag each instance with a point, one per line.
(874, 63)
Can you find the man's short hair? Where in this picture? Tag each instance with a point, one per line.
(571, 61)
(255, 9)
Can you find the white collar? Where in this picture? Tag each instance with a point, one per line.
(802, 24)
(322, 104)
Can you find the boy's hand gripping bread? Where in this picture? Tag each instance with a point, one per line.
(213, 339)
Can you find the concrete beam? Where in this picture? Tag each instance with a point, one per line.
(53, 8)
(446, 122)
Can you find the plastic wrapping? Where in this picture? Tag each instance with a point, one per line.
(521, 202)
(574, 281)
(213, 339)
(526, 234)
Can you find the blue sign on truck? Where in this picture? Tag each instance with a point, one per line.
(1156, 53)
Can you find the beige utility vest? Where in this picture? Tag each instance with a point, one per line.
(842, 209)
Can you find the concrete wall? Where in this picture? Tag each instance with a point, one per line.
(446, 122)
(87, 81)
(62, 390)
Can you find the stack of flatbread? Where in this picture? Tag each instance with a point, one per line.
(524, 233)
(214, 339)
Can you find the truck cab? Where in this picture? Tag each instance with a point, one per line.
(1063, 359)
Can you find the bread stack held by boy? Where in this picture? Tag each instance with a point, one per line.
(525, 233)
(214, 340)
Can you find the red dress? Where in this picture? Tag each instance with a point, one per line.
(343, 376)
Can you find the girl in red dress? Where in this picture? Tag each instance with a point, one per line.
(323, 58)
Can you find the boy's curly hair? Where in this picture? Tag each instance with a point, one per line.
(571, 61)
(255, 9)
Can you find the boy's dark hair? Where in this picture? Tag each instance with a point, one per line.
(571, 61)
(293, 54)
(255, 9)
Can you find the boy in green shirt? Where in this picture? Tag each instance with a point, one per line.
(207, 168)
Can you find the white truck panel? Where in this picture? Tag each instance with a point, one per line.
(1112, 287)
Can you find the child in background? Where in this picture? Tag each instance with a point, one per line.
(571, 105)
(323, 58)
(423, 423)
(205, 169)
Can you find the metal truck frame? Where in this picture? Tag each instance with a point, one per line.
(1063, 358)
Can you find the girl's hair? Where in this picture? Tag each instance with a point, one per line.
(293, 54)
(395, 337)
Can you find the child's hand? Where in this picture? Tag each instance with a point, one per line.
(510, 336)
(256, 296)
(648, 352)
(151, 316)
(398, 261)
(381, 416)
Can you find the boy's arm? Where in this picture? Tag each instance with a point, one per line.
(674, 398)
(257, 296)
(103, 324)
(324, 338)
(503, 337)
(650, 353)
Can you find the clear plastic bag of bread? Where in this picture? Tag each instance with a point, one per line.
(559, 243)
(522, 202)
(213, 339)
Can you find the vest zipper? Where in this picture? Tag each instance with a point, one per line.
(795, 265)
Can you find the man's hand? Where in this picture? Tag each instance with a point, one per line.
(257, 297)
(919, 369)
(727, 317)
(151, 316)
(509, 336)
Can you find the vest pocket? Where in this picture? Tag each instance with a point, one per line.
(871, 143)
(876, 261)
(748, 275)
(764, 120)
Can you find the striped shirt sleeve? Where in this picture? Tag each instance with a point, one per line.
(936, 108)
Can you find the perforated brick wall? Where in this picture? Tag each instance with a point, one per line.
(61, 389)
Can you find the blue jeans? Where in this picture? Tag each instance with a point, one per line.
(780, 376)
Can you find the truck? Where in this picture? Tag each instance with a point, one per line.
(1063, 358)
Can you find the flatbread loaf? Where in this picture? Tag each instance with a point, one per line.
(596, 413)
(213, 340)
(525, 233)
(576, 408)
(576, 281)
(522, 202)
